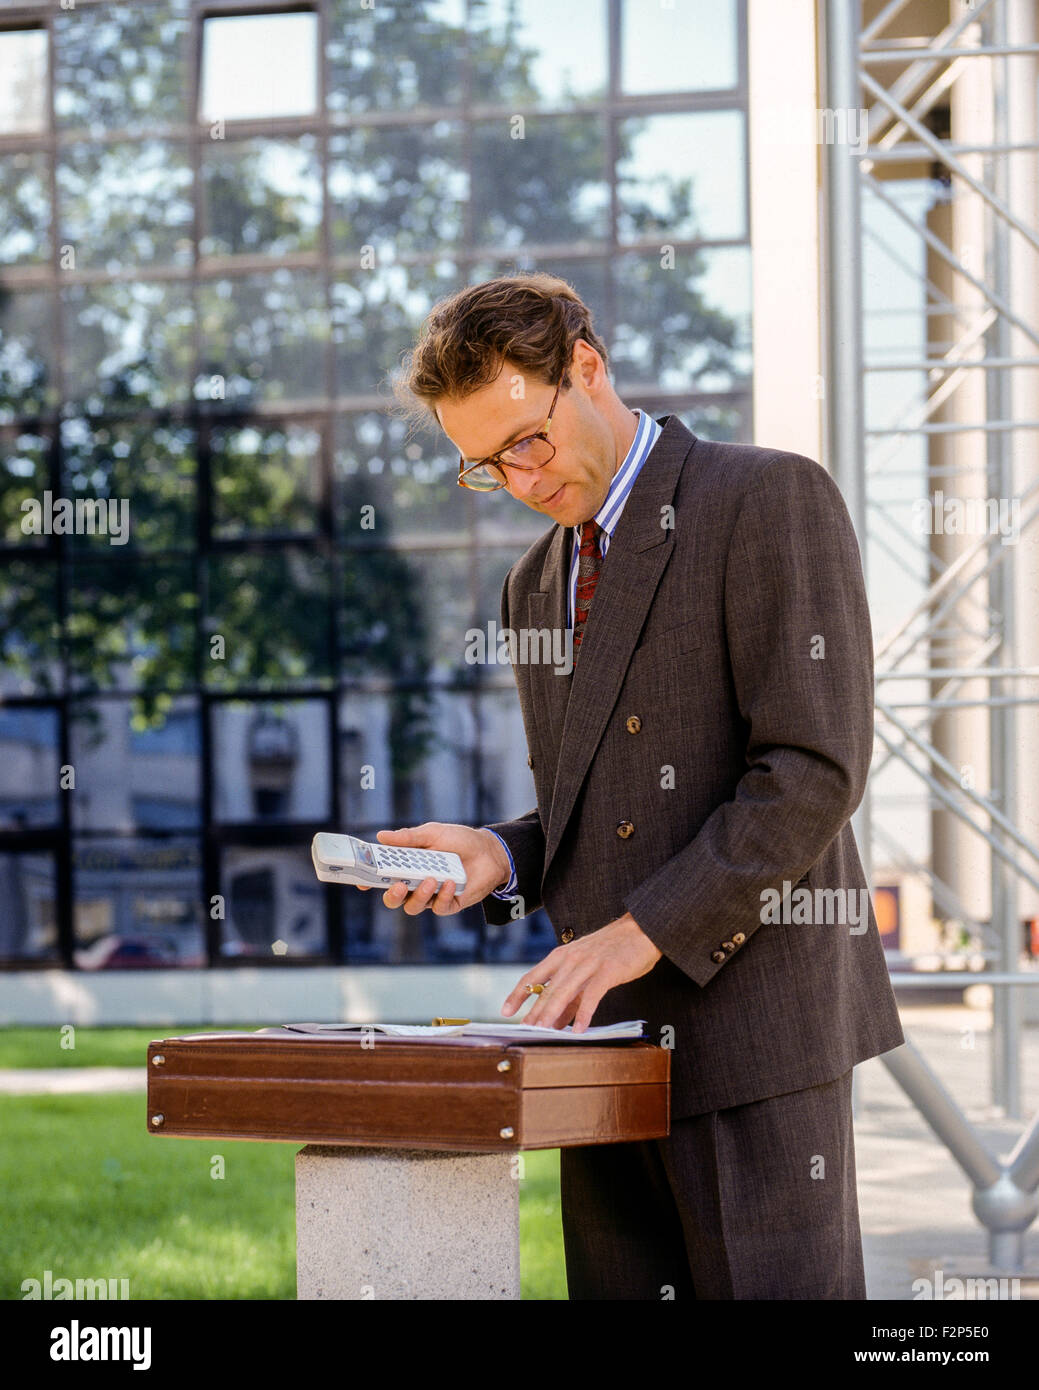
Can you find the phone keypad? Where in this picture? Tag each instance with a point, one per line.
(424, 862)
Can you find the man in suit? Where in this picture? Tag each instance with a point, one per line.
(695, 778)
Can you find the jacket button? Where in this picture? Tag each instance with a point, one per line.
(633, 723)
(566, 936)
(738, 938)
(728, 945)
(719, 957)
(625, 829)
(530, 761)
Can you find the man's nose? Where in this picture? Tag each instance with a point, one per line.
(525, 481)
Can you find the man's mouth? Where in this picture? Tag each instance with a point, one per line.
(546, 501)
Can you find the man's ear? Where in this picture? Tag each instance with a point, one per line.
(586, 363)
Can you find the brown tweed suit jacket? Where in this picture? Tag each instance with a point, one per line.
(740, 637)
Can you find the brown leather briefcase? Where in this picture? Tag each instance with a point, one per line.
(455, 1093)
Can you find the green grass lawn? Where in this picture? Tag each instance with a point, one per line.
(95, 1047)
(89, 1193)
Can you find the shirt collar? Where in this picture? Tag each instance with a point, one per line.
(646, 433)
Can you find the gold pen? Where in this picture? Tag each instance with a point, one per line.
(440, 1022)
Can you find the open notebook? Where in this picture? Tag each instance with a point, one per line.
(510, 1032)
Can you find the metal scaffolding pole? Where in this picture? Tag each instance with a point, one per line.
(956, 113)
(1006, 1025)
(845, 420)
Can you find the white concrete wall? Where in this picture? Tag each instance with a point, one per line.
(319, 994)
(785, 226)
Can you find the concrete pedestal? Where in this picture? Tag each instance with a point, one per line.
(406, 1224)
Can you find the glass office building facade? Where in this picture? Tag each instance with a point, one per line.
(234, 589)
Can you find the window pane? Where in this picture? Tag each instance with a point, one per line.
(121, 67)
(539, 51)
(28, 769)
(271, 613)
(135, 770)
(25, 198)
(24, 476)
(405, 614)
(363, 943)
(397, 190)
(502, 519)
(145, 463)
(30, 648)
(129, 346)
(529, 938)
(261, 197)
(132, 624)
(259, 65)
(548, 186)
(263, 337)
(450, 782)
(376, 315)
(23, 81)
(474, 758)
(690, 45)
(491, 568)
(384, 630)
(27, 384)
(727, 424)
(272, 762)
(685, 326)
(125, 205)
(681, 176)
(371, 782)
(28, 923)
(395, 55)
(410, 481)
(138, 904)
(274, 901)
(265, 480)
(508, 781)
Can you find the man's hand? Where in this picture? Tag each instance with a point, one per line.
(485, 861)
(582, 971)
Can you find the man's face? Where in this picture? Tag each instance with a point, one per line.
(572, 486)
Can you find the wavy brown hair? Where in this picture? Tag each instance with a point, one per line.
(530, 319)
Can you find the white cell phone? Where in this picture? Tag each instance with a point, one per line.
(345, 859)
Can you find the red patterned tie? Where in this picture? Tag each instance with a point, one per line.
(589, 564)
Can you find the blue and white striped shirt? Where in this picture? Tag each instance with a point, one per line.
(646, 434)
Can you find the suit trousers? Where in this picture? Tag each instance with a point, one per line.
(753, 1202)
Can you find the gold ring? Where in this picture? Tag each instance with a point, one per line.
(536, 989)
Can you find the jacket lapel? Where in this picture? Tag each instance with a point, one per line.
(547, 608)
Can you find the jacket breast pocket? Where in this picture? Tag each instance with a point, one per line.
(673, 640)
(666, 649)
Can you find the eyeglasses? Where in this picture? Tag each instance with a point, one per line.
(532, 451)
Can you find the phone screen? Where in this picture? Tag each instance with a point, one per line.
(363, 852)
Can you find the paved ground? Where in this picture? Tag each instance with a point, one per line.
(914, 1200)
(71, 1080)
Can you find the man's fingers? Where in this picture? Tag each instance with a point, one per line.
(442, 901)
(421, 898)
(416, 836)
(412, 901)
(567, 1014)
(445, 901)
(536, 975)
(589, 1002)
(560, 995)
